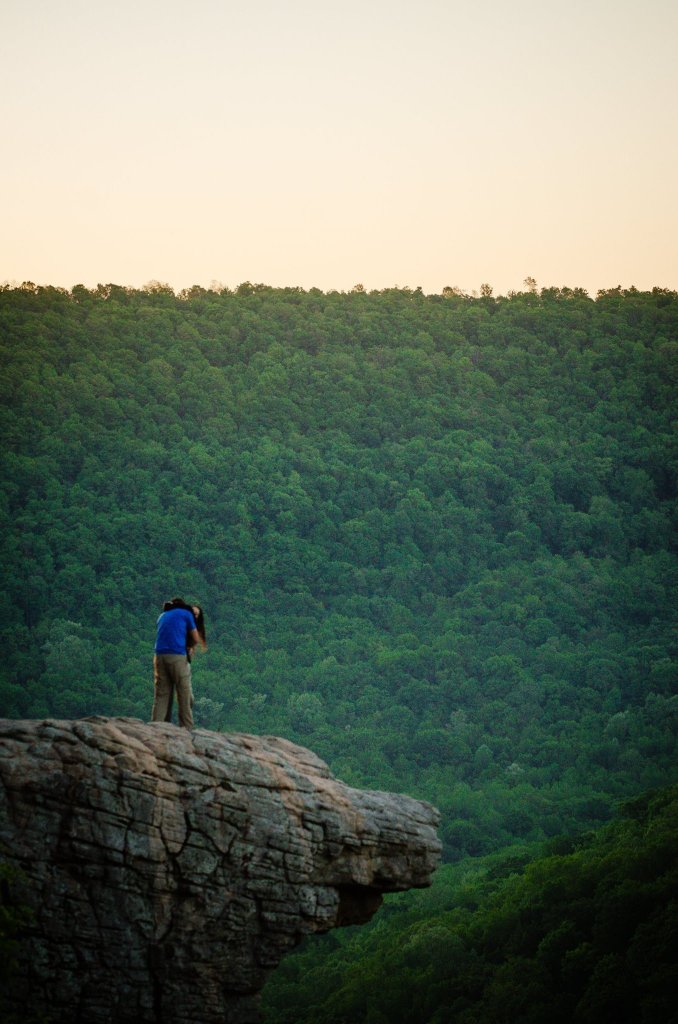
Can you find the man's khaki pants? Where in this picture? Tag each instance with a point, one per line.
(172, 674)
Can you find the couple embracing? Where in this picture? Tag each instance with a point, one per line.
(181, 627)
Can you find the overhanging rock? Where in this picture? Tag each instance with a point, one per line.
(167, 872)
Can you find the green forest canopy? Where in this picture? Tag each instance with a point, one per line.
(585, 933)
(433, 535)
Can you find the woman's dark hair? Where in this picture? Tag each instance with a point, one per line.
(200, 622)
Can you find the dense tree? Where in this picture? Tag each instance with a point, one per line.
(583, 932)
(433, 534)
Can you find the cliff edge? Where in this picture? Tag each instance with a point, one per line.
(167, 872)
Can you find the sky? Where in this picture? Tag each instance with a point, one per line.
(323, 144)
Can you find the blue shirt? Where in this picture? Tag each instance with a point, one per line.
(173, 627)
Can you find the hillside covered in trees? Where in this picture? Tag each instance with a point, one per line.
(584, 933)
(433, 535)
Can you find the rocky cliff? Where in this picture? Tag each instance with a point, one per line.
(167, 872)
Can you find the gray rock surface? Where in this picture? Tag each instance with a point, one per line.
(167, 871)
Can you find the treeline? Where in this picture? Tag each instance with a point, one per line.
(586, 932)
(432, 534)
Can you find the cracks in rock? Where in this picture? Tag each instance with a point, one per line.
(172, 890)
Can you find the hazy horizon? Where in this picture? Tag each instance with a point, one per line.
(315, 146)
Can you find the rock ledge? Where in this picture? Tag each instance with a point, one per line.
(168, 872)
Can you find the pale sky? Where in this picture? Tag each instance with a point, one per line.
(420, 143)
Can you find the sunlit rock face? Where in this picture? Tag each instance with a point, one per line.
(167, 872)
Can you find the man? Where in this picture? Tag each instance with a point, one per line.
(171, 668)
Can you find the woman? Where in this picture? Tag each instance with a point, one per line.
(199, 617)
(190, 650)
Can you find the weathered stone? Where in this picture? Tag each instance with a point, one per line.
(167, 871)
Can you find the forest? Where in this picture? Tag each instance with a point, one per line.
(583, 933)
(434, 539)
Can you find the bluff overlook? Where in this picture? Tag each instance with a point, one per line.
(167, 872)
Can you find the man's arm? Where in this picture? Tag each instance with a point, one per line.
(195, 639)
